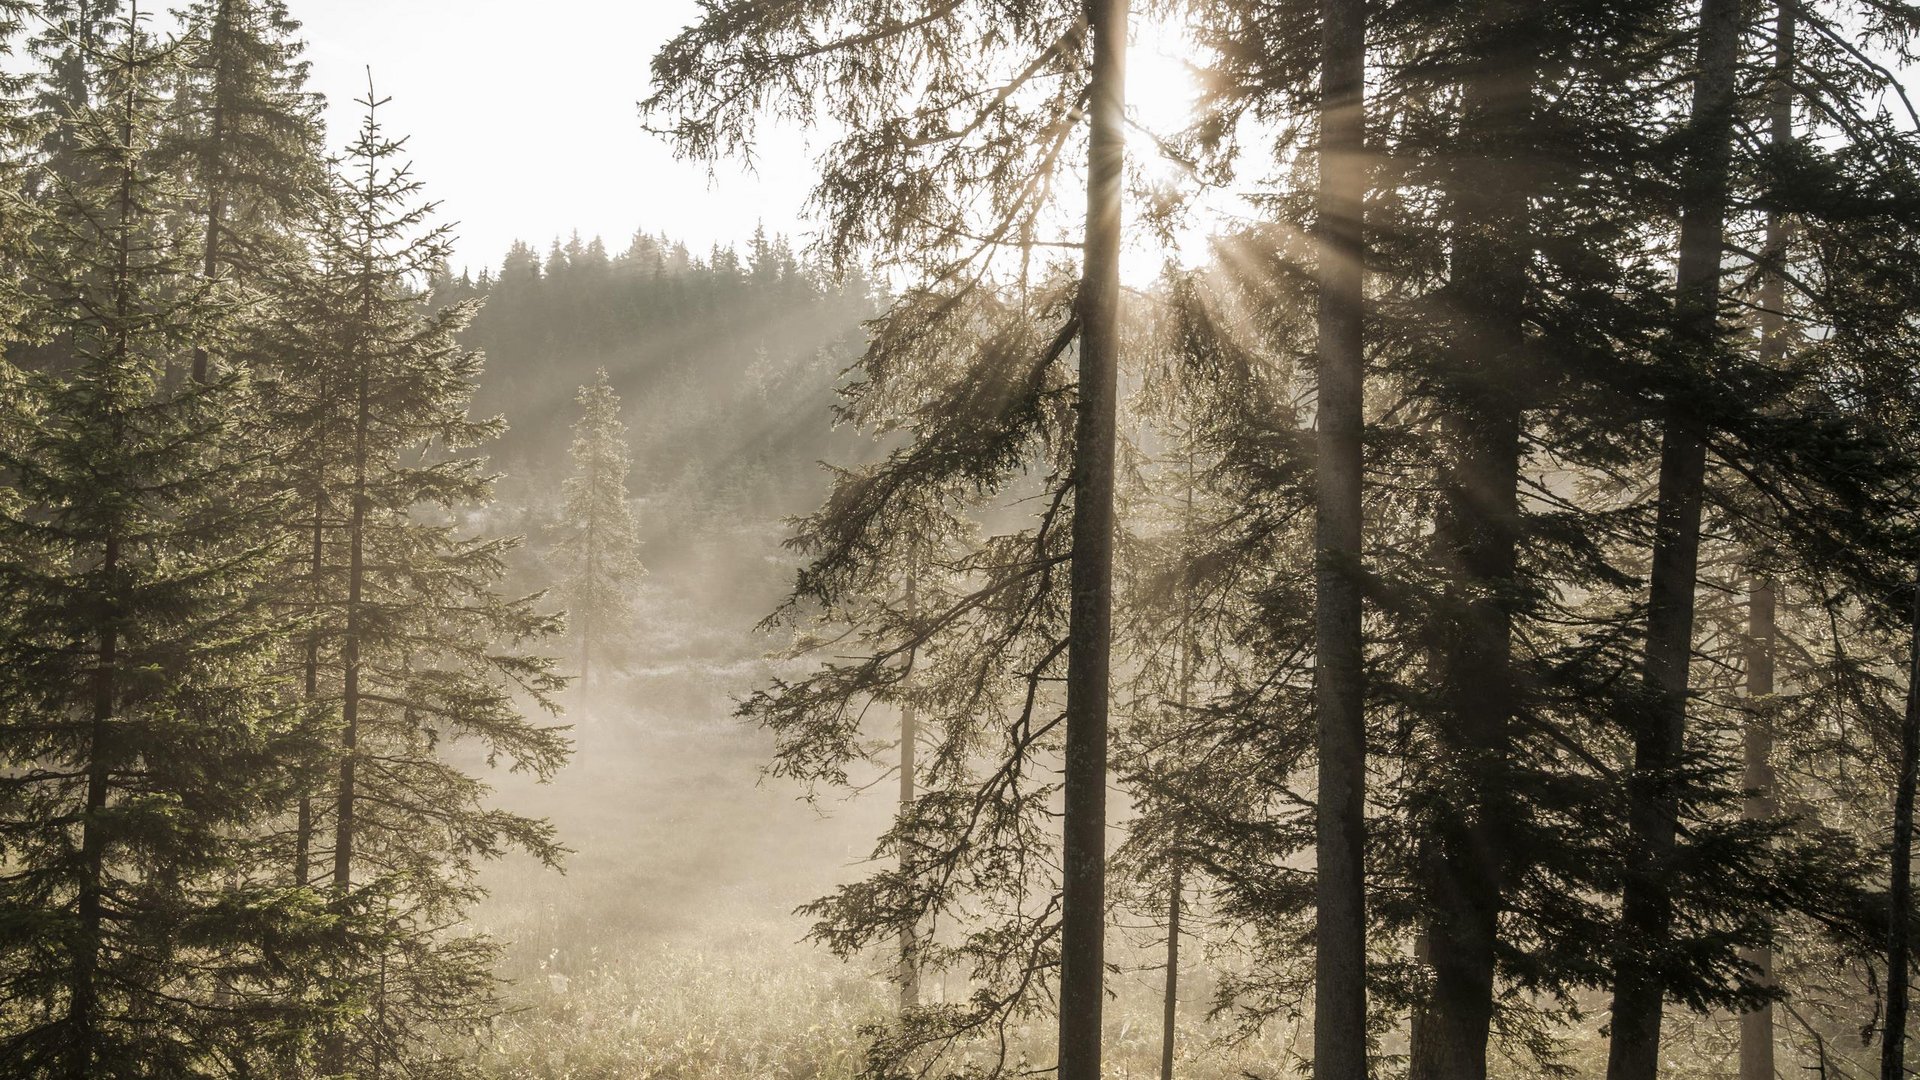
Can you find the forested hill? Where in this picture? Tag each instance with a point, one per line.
(726, 365)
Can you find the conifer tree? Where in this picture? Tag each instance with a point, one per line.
(15, 146)
(247, 132)
(137, 720)
(978, 339)
(1340, 945)
(411, 647)
(598, 543)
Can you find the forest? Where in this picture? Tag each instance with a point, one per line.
(1403, 566)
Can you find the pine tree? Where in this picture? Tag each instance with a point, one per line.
(980, 196)
(411, 648)
(16, 141)
(598, 544)
(140, 728)
(1340, 945)
(248, 134)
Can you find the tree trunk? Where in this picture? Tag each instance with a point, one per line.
(1756, 1026)
(1340, 946)
(84, 996)
(83, 1006)
(1660, 735)
(1084, 828)
(1477, 529)
(303, 825)
(343, 835)
(1170, 1000)
(909, 743)
(350, 654)
(1893, 1046)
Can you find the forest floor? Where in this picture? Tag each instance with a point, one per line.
(669, 947)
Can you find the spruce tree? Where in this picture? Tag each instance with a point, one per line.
(1340, 947)
(598, 542)
(411, 650)
(139, 725)
(247, 133)
(979, 339)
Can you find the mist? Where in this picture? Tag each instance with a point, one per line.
(958, 540)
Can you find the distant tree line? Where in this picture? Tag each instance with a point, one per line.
(1490, 578)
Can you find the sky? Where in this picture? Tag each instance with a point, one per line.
(522, 120)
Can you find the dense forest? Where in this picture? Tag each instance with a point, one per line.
(1461, 619)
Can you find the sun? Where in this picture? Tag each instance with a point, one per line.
(1161, 88)
(1162, 94)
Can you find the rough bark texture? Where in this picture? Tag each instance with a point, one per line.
(1893, 1047)
(1477, 528)
(1084, 855)
(1660, 731)
(1340, 947)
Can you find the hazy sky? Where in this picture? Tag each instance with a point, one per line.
(522, 119)
(523, 123)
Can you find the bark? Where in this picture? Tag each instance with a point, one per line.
(1466, 857)
(1893, 1047)
(343, 822)
(909, 974)
(1660, 732)
(303, 825)
(1084, 854)
(1171, 999)
(350, 654)
(1756, 1026)
(1340, 1007)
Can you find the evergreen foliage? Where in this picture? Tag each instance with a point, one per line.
(598, 542)
(138, 721)
(415, 651)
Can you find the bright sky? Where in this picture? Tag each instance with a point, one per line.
(523, 124)
(522, 121)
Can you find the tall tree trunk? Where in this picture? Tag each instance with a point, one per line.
(303, 825)
(1477, 529)
(1660, 733)
(1756, 1026)
(1084, 829)
(909, 974)
(83, 1006)
(84, 995)
(350, 653)
(216, 178)
(1170, 999)
(343, 835)
(1183, 700)
(1340, 946)
(1893, 1046)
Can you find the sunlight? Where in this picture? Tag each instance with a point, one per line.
(1162, 91)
